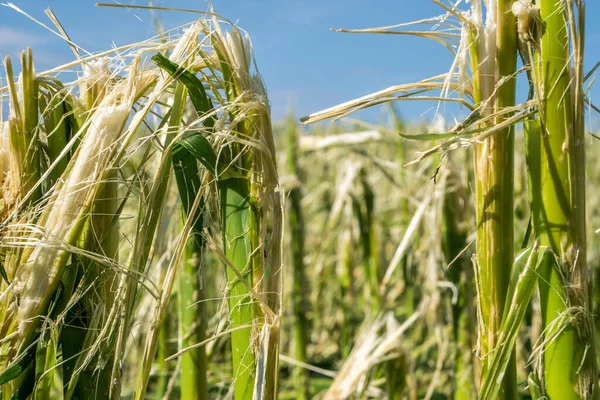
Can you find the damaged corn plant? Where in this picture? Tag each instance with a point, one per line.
(144, 252)
(90, 260)
(487, 39)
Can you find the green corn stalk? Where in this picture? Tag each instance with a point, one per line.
(234, 201)
(368, 241)
(147, 226)
(192, 291)
(241, 231)
(251, 213)
(403, 206)
(300, 283)
(348, 293)
(494, 182)
(192, 323)
(235, 213)
(250, 207)
(235, 210)
(556, 161)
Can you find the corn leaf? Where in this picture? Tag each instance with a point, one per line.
(196, 144)
(521, 288)
(45, 364)
(185, 166)
(427, 136)
(17, 367)
(23, 392)
(3, 272)
(199, 147)
(197, 94)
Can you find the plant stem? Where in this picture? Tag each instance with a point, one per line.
(494, 182)
(368, 239)
(192, 323)
(301, 336)
(345, 274)
(192, 290)
(558, 204)
(234, 195)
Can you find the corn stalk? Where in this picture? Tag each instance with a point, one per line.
(556, 163)
(251, 221)
(493, 49)
(301, 334)
(239, 128)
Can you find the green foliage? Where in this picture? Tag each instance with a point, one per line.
(96, 238)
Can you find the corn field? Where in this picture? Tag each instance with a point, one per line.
(161, 237)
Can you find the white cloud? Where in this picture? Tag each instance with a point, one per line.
(11, 38)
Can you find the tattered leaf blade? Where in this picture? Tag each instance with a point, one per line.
(199, 147)
(522, 286)
(196, 91)
(17, 367)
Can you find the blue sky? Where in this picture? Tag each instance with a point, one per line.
(306, 67)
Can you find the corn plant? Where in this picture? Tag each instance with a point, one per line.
(63, 297)
(246, 179)
(494, 88)
(553, 39)
(193, 318)
(300, 281)
(251, 221)
(141, 222)
(482, 78)
(41, 251)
